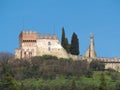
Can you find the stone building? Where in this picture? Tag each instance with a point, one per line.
(90, 53)
(34, 44)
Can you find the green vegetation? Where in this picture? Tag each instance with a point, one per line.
(7, 82)
(95, 65)
(50, 73)
(74, 49)
(73, 83)
(64, 41)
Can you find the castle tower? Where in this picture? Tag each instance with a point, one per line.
(27, 43)
(91, 50)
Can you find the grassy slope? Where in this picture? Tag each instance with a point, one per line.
(79, 81)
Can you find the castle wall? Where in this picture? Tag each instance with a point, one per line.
(31, 44)
(50, 47)
(115, 66)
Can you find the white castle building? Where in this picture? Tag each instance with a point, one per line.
(34, 44)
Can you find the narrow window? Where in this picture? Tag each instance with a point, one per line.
(49, 48)
(49, 43)
(24, 54)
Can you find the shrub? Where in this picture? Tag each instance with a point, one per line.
(96, 65)
(89, 73)
(115, 76)
(49, 57)
(117, 86)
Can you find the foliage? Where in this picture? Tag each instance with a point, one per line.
(44, 57)
(89, 73)
(22, 86)
(115, 76)
(63, 37)
(50, 73)
(103, 84)
(6, 56)
(8, 83)
(96, 65)
(48, 57)
(117, 86)
(64, 41)
(73, 85)
(67, 45)
(47, 67)
(74, 49)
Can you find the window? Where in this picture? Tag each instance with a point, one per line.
(49, 43)
(24, 54)
(49, 48)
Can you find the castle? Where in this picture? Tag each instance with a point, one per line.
(34, 44)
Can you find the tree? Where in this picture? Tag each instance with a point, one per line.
(64, 41)
(63, 37)
(5, 59)
(74, 49)
(96, 65)
(8, 83)
(6, 56)
(103, 84)
(67, 45)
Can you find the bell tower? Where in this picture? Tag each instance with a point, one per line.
(91, 50)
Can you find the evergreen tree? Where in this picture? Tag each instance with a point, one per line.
(66, 45)
(64, 41)
(8, 83)
(74, 49)
(63, 37)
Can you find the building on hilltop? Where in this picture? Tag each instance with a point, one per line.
(90, 53)
(34, 44)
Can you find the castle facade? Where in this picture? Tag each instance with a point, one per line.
(34, 44)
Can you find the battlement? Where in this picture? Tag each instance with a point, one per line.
(29, 32)
(47, 36)
(32, 35)
(28, 35)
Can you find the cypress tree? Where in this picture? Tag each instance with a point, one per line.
(64, 41)
(63, 37)
(74, 49)
(66, 45)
